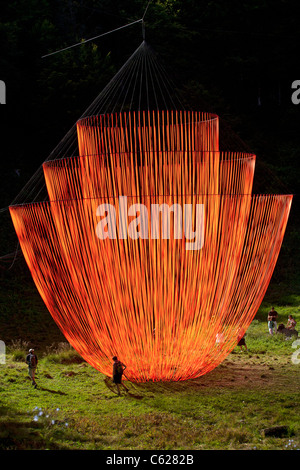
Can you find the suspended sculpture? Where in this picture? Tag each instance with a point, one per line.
(151, 246)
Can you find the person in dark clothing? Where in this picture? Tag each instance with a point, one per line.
(241, 340)
(32, 361)
(118, 369)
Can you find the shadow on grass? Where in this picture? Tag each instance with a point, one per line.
(57, 392)
(249, 373)
(140, 390)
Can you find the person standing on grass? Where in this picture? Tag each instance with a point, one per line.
(272, 320)
(241, 340)
(271, 327)
(32, 361)
(118, 369)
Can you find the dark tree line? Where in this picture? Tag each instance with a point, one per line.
(236, 58)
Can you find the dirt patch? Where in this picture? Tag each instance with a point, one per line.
(240, 373)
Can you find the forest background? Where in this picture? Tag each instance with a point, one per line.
(236, 59)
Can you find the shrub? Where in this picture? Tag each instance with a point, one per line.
(63, 353)
(18, 350)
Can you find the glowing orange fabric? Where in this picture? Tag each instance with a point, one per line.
(168, 313)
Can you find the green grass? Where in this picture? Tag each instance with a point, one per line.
(73, 409)
(226, 409)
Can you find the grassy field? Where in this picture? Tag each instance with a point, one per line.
(226, 409)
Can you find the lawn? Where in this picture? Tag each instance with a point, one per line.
(229, 408)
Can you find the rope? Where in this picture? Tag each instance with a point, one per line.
(142, 61)
(141, 72)
(146, 9)
(17, 252)
(168, 312)
(91, 39)
(141, 20)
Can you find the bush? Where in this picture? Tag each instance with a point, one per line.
(18, 350)
(63, 353)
